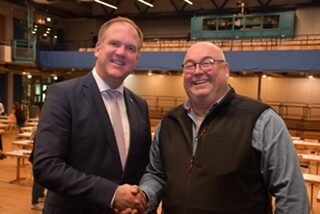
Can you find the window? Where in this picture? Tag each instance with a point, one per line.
(239, 23)
(271, 21)
(209, 24)
(225, 24)
(253, 22)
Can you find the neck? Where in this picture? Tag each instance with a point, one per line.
(200, 107)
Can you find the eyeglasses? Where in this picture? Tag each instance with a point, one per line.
(205, 65)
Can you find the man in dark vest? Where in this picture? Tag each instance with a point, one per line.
(222, 153)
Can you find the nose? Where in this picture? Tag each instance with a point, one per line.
(121, 50)
(197, 69)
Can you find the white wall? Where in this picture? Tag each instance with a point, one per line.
(294, 90)
(297, 90)
(247, 86)
(156, 85)
(307, 21)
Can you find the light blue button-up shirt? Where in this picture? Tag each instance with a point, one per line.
(279, 166)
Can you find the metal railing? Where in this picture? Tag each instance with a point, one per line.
(301, 111)
(24, 51)
(159, 105)
(299, 42)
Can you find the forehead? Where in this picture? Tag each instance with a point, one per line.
(122, 31)
(200, 51)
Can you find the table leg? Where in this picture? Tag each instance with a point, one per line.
(20, 163)
(311, 196)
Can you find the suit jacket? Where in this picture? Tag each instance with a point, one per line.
(76, 156)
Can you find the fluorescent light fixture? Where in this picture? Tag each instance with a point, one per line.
(189, 2)
(146, 3)
(106, 4)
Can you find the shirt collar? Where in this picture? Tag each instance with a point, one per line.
(102, 85)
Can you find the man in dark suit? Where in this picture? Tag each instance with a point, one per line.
(76, 155)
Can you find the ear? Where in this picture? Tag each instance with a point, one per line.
(96, 50)
(227, 70)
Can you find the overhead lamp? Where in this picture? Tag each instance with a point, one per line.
(146, 3)
(106, 4)
(189, 2)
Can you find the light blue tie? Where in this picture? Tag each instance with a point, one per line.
(117, 124)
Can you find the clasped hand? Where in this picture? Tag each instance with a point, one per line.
(130, 200)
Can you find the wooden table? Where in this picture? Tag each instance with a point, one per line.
(28, 129)
(21, 155)
(25, 135)
(306, 145)
(295, 138)
(33, 124)
(23, 144)
(34, 119)
(6, 121)
(3, 126)
(312, 180)
(4, 117)
(310, 157)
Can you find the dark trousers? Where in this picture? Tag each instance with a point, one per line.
(2, 156)
(1, 146)
(37, 192)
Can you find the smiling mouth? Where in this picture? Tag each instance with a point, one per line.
(117, 62)
(199, 82)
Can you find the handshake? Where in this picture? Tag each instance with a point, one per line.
(130, 200)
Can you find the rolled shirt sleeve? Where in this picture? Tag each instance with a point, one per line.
(280, 165)
(153, 180)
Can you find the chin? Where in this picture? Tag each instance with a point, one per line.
(116, 72)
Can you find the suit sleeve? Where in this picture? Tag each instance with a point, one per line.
(53, 153)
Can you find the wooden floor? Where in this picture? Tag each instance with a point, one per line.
(15, 198)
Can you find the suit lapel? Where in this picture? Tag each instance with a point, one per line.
(92, 94)
(132, 117)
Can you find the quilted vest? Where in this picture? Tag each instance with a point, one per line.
(223, 177)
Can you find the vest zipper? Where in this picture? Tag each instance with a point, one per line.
(187, 187)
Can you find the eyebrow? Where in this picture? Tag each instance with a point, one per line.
(201, 59)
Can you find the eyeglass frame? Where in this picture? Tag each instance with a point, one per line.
(211, 61)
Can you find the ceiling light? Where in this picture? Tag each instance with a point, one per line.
(106, 4)
(146, 3)
(189, 2)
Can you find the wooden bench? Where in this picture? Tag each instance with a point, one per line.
(312, 180)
